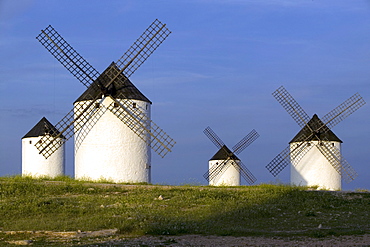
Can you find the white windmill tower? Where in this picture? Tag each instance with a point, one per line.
(225, 168)
(110, 141)
(33, 163)
(111, 119)
(314, 153)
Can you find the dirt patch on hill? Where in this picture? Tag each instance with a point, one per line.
(197, 240)
(111, 237)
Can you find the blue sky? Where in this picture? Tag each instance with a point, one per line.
(218, 68)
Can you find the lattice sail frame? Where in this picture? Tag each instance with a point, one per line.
(67, 56)
(291, 106)
(213, 137)
(66, 127)
(79, 118)
(139, 123)
(331, 119)
(338, 162)
(95, 115)
(217, 170)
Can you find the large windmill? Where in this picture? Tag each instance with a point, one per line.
(111, 119)
(315, 151)
(225, 167)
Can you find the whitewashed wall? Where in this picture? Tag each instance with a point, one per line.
(315, 170)
(230, 177)
(35, 164)
(112, 151)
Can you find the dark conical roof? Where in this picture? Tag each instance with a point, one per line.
(315, 123)
(127, 91)
(224, 153)
(42, 128)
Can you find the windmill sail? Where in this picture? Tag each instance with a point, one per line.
(315, 130)
(114, 78)
(226, 158)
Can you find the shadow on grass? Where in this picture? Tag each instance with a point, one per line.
(272, 211)
(261, 210)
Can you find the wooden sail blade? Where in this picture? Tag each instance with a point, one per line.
(291, 106)
(245, 173)
(138, 53)
(245, 142)
(300, 151)
(94, 117)
(347, 172)
(67, 56)
(281, 161)
(213, 137)
(143, 47)
(335, 158)
(67, 126)
(342, 111)
(86, 74)
(217, 170)
(143, 127)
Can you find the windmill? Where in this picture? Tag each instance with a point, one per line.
(33, 163)
(111, 119)
(315, 151)
(225, 167)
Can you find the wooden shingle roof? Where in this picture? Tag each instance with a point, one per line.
(43, 127)
(223, 154)
(127, 91)
(315, 123)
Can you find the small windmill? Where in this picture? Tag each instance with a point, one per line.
(225, 167)
(111, 119)
(315, 151)
(33, 163)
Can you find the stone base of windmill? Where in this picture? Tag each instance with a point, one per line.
(314, 170)
(230, 176)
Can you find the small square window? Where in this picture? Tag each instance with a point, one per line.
(134, 105)
(97, 105)
(30, 142)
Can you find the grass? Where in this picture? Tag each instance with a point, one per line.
(264, 210)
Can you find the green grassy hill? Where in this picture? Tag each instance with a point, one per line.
(268, 210)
